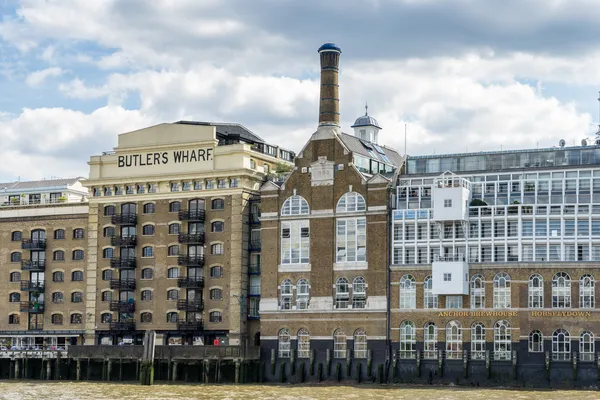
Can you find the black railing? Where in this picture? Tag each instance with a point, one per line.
(30, 265)
(191, 261)
(122, 326)
(190, 305)
(126, 241)
(191, 238)
(123, 262)
(191, 283)
(254, 269)
(33, 244)
(254, 245)
(191, 215)
(29, 286)
(122, 306)
(190, 325)
(32, 306)
(124, 219)
(122, 284)
(449, 258)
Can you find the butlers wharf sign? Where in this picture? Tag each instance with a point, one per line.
(165, 157)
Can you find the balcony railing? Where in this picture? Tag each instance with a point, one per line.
(122, 284)
(122, 326)
(254, 245)
(122, 306)
(33, 244)
(254, 269)
(124, 219)
(126, 241)
(191, 283)
(123, 262)
(190, 325)
(191, 261)
(32, 306)
(191, 238)
(190, 305)
(449, 258)
(29, 286)
(30, 265)
(191, 215)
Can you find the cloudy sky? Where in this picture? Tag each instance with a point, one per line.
(463, 74)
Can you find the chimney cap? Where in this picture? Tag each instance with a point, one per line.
(329, 47)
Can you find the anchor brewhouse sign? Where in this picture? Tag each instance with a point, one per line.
(165, 157)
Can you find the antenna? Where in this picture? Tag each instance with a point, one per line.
(367, 108)
(598, 133)
(405, 128)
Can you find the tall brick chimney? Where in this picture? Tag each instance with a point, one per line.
(329, 107)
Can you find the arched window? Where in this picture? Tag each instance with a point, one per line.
(147, 251)
(561, 345)
(146, 317)
(477, 341)
(477, 291)
(174, 228)
(342, 293)
(107, 296)
(453, 340)
(173, 250)
(57, 319)
(14, 297)
(502, 290)
(302, 294)
(407, 340)
(78, 233)
(148, 230)
(172, 317)
(149, 208)
(77, 254)
(109, 211)
(76, 297)
(173, 273)
(286, 294)
(109, 231)
(58, 276)
(408, 292)
(295, 205)
(535, 288)
(586, 346)
(284, 343)
(339, 344)
(217, 249)
(303, 343)
(108, 252)
(15, 276)
(58, 255)
(561, 290)
(351, 202)
(57, 297)
(536, 342)
(105, 318)
(502, 341)
(430, 341)
(430, 300)
(59, 234)
(218, 204)
(107, 275)
(77, 276)
(587, 292)
(359, 292)
(216, 271)
(15, 257)
(146, 295)
(217, 226)
(147, 273)
(360, 344)
(216, 294)
(215, 316)
(14, 319)
(16, 236)
(76, 319)
(173, 294)
(174, 206)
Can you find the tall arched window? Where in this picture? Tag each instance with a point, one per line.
(561, 290)
(587, 292)
(360, 344)
(408, 292)
(359, 292)
(303, 343)
(502, 341)
(478, 341)
(535, 288)
(339, 344)
(342, 293)
(285, 291)
(284, 343)
(536, 342)
(430, 341)
(295, 205)
(586, 346)
(430, 300)
(477, 291)
(351, 202)
(453, 340)
(407, 340)
(302, 294)
(561, 345)
(502, 290)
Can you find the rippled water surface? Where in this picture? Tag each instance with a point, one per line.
(83, 390)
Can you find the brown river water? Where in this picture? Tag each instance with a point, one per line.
(36, 390)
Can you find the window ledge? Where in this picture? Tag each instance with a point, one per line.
(293, 268)
(351, 266)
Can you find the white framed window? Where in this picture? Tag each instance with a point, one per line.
(478, 341)
(430, 300)
(360, 344)
(342, 293)
(407, 340)
(561, 345)
(295, 242)
(477, 291)
(408, 292)
(447, 277)
(453, 340)
(303, 343)
(339, 344)
(587, 292)
(430, 341)
(586, 346)
(359, 292)
(351, 239)
(351, 202)
(535, 289)
(447, 203)
(454, 302)
(502, 340)
(286, 293)
(561, 290)
(302, 294)
(536, 342)
(284, 343)
(502, 290)
(295, 205)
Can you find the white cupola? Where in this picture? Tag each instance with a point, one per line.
(366, 127)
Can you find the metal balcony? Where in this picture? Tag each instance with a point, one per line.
(191, 261)
(191, 215)
(124, 219)
(190, 305)
(254, 245)
(122, 326)
(254, 269)
(28, 286)
(123, 262)
(190, 325)
(191, 238)
(127, 241)
(33, 244)
(34, 266)
(32, 306)
(191, 283)
(122, 306)
(122, 284)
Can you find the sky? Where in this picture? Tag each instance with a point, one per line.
(462, 75)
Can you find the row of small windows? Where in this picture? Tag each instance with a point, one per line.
(171, 317)
(174, 206)
(172, 294)
(173, 187)
(58, 276)
(56, 319)
(59, 234)
(148, 273)
(172, 251)
(58, 255)
(346, 295)
(349, 202)
(340, 344)
(174, 229)
(57, 297)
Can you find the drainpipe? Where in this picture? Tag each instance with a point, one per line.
(389, 260)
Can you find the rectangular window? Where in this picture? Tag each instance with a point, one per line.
(447, 203)
(454, 301)
(447, 277)
(295, 242)
(352, 240)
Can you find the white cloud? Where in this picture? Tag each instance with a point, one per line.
(38, 77)
(77, 89)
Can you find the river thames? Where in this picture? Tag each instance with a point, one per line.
(20, 390)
